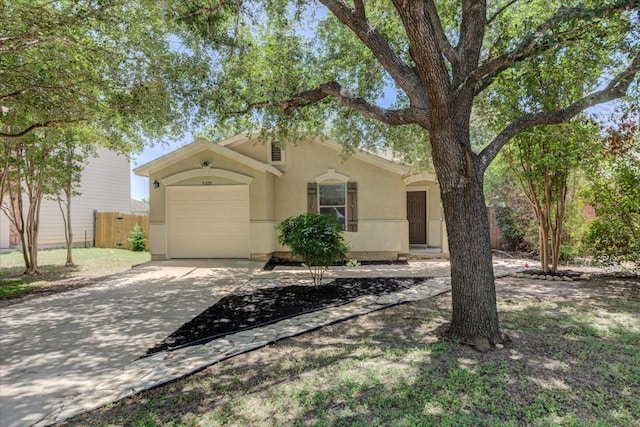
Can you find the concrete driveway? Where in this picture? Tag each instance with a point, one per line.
(55, 347)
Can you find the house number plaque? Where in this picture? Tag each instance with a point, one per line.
(207, 182)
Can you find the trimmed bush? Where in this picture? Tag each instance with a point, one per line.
(314, 238)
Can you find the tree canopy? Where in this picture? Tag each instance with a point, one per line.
(121, 67)
(357, 64)
(75, 75)
(543, 159)
(614, 191)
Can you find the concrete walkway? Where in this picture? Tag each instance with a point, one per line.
(76, 351)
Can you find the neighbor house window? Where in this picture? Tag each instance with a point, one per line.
(332, 200)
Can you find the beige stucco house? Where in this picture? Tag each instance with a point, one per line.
(224, 200)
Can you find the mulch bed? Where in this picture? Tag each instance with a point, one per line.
(559, 273)
(274, 262)
(246, 310)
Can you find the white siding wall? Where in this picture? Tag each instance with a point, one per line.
(4, 231)
(105, 187)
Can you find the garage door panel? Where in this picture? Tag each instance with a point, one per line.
(208, 222)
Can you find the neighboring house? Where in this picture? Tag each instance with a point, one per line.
(139, 207)
(224, 200)
(105, 186)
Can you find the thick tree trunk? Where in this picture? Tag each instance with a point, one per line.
(475, 313)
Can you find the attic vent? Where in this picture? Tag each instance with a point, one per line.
(276, 156)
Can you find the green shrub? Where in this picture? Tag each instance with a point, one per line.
(315, 239)
(138, 239)
(614, 236)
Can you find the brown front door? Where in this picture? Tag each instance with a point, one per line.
(417, 216)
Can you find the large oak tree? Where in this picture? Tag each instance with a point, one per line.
(305, 67)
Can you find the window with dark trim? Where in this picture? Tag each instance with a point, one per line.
(332, 200)
(339, 200)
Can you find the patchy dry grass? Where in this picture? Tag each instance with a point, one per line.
(574, 361)
(91, 263)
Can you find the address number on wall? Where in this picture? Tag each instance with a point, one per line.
(207, 182)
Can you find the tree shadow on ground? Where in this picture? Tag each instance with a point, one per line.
(564, 366)
(47, 272)
(51, 278)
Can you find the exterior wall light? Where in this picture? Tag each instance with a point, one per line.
(156, 184)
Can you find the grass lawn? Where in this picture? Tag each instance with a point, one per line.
(574, 361)
(91, 263)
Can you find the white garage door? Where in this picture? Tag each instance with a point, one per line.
(208, 221)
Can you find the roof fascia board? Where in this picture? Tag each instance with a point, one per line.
(372, 159)
(199, 145)
(239, 139)
(174, 156)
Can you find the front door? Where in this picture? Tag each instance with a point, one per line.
(417, 217)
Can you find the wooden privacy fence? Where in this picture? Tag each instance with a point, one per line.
(112, 229)
(497, 242)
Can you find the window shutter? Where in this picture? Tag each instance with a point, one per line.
(312, 197)
(352, 206)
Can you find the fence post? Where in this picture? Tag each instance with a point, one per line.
(95, 218)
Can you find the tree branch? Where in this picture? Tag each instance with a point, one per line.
(37, 126)
(616, 88)
(24, 45)
(335, 90)
(472, 29)
(441, 37)
(36, 87)
(206, 11)
(356, 20)
(499, 11)
(431, 67)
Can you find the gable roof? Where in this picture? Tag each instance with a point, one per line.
(362, 155)
(198, 146)
(139, 206)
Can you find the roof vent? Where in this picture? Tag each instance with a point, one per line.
(276, 155)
